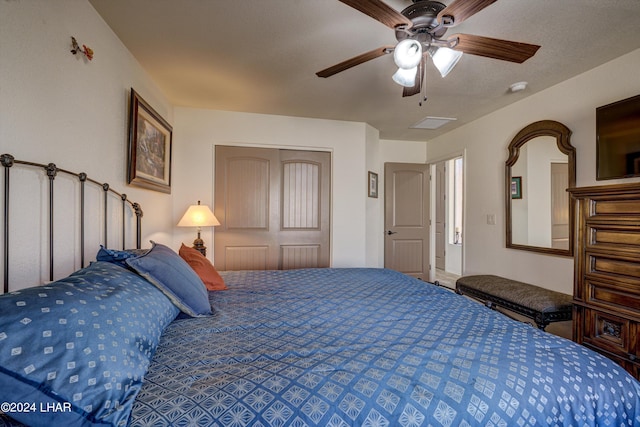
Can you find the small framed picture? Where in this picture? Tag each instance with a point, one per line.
(373, 185)
(149, 162)
(516, 187)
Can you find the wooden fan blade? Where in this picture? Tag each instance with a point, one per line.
(460, 10)
(416, 88)
(380, 12)
(504, 50)
(356, 60)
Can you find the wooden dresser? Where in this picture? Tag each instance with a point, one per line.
(606, 313)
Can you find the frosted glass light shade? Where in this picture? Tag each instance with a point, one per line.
(198, 216)
(407, 54)
(445, 59)
(406, 78)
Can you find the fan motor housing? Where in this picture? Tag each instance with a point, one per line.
(423, 14)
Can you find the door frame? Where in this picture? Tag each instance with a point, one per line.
(432, 214)
(440, 207)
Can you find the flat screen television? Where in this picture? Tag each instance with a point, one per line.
(618, 139)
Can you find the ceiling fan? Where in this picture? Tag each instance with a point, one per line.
(420, 30)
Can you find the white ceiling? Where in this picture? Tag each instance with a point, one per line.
(262, 55)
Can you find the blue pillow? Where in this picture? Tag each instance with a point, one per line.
(175, 278)
(118, 257)
(77, 350)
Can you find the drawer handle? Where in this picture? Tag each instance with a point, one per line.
(632, 357)
(611, 329)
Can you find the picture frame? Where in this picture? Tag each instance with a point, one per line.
(373, 185)
(149, 151)
(516, 187)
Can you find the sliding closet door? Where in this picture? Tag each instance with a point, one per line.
(273, 206)
(246, 200)
(304, 209)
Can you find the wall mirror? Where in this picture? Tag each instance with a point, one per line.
(540, 168)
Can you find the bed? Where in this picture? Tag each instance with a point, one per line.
(135, 339)
(371, 347)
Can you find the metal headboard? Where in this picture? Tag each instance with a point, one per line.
(51, 171)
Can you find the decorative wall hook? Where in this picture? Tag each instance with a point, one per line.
(84, 50)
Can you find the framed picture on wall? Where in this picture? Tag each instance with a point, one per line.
(516, 187)
(149, 154)
(373, 184)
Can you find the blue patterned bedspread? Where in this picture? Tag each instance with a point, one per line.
(369, 347)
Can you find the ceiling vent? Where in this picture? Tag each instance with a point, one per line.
(432, 122)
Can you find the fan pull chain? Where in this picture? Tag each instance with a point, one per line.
(423, 83)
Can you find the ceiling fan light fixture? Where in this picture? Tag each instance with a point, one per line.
(407, 54)
(406, 77)
(445, 59)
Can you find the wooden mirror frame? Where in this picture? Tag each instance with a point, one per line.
(562, 134)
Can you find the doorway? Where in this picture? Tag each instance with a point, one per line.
(448, 223)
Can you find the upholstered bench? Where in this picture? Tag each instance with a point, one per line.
(542, 305)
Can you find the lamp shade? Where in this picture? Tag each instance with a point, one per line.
(198, 216)
(445, 59)
(407, 54)
(405, 77)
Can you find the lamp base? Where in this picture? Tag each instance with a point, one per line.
(198, 245)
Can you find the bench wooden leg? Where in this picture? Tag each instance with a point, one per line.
(541, 323)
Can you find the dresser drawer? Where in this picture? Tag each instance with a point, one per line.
(611, 333)
(612, 282)
(613, 237)
(614, 266)
(617, 208)
(623, 298)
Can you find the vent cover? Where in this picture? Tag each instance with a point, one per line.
(432, 122)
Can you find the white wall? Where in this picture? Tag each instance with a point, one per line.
(573, 103)
(57, 107)
(541, 154)
(393, 151)
(531, 214)
(374, 248)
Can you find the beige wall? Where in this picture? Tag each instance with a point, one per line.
(573, 103)
(57, 107)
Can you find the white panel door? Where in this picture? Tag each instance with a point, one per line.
(406, 219)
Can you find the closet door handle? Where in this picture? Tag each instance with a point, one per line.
(389, 232)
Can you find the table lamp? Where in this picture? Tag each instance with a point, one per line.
(199, 216)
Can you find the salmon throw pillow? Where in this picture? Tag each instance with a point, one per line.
(203, 268)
